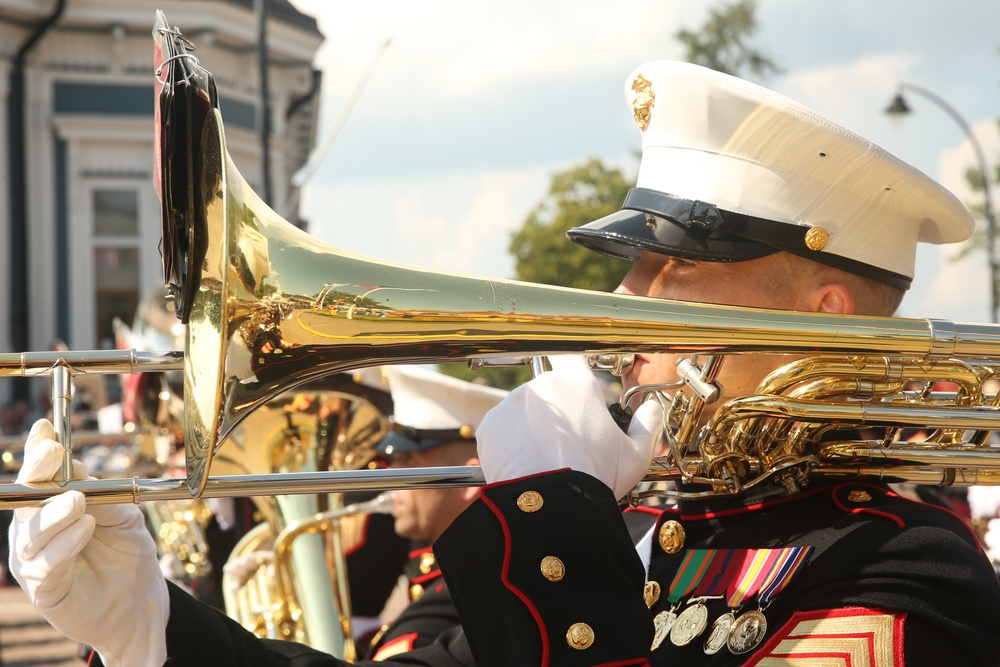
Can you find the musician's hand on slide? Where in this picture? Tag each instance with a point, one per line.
(91, 572)
(561, 420)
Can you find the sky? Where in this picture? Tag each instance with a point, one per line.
(447, 137)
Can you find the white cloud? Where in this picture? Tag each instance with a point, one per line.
(457, 223)
(946, 288)
(851, 93)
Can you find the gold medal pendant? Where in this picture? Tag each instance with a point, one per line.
(691, 623)
(719, 634)
(747, 633)
(662, 624)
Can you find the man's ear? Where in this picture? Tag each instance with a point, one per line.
(832, 298)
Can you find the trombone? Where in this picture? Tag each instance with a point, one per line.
(268, 308)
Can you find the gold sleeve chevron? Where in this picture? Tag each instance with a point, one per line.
(852, 637)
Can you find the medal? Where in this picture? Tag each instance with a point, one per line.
(767, 572)
(689, 624)
(688, 575)
(661, 625)
(747, 633)
(719, 635)
(651, 593)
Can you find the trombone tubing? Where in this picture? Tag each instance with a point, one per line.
(60, 367)
(108, 362)
(137, 490)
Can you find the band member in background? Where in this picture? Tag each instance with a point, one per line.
(435, 418)
(743, 198)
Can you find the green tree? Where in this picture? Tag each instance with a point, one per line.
(722, 42)
(502, 377)
(542, 253)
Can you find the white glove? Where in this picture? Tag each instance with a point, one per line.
(560, 420)
(992, 540)
(92, 573)
(984, 502)
(241, 569)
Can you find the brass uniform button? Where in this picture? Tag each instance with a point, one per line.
(553, 568)
(426, 563)
(858, 496)
(530, 501)
(416, 592)
(671, 536)
(651, 593)
(580, 636)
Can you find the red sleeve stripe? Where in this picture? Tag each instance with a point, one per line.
(513, 589)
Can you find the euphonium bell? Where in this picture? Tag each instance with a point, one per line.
(308, 429)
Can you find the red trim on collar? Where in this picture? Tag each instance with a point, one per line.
(646, 510)
(421, 551)
(503, 482)
(753, 508)
(865, 510)
(506, 579)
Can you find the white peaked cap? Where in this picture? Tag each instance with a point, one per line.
(431, 408)
(371, 376)
(710, 139)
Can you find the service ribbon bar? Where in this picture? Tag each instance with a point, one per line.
(790, 562)
(757, 565)
(696, 562)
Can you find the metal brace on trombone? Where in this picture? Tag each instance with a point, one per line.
(701, 379)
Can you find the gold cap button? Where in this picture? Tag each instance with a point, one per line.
(858, 496)
(530, 501)
(416, 592)
(426, 563)
(580, 636)
(553, 568)
(671, 536)
(816, 238)
(651, 593)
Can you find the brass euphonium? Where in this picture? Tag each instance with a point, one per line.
(299, 590)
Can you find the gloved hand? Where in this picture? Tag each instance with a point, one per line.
(91, 572)
(560, 420)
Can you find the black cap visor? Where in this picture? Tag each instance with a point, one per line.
(404, 439)
(657, 222)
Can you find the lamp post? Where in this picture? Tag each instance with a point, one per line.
(898, 107)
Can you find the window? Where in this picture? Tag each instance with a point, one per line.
(116, 260)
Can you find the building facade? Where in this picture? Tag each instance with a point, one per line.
(79, 216)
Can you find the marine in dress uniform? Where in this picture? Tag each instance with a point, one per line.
(542, 567)
(434, 421)
(829, 573)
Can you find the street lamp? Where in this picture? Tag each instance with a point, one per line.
(897, 108)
